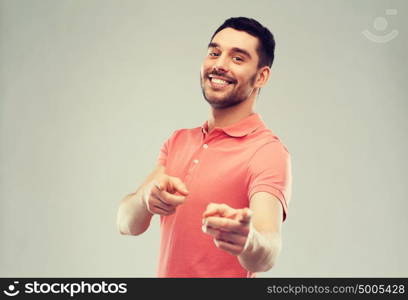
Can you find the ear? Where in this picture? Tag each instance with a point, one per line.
(263, 76)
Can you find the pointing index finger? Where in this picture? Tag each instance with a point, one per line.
(172, 199)
(226, 224)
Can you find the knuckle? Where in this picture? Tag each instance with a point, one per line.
(171, 202)
(153, 201)
(150, 201)
(158, 182)
(164, 198)
(172, 179)
(152, 191)
(177, 180)
(175, 198)
(211, 205)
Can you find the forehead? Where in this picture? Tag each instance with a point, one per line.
(231, 38)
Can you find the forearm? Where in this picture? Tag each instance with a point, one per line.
(261, 251)
(133, 218)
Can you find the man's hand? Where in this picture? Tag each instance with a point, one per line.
(160, 196)
(229, 227)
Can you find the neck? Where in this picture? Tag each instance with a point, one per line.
(231, 115)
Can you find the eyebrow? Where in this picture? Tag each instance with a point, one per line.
(234, 49)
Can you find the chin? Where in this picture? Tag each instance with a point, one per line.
(215, 98)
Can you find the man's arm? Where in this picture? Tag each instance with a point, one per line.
(264, 241)
(133, 218)
(253, 235)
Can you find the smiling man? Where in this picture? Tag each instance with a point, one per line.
(221, 189)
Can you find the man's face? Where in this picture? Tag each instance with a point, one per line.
(229, 70)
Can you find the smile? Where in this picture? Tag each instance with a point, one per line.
(218, 82)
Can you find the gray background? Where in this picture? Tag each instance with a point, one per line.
(89, 91)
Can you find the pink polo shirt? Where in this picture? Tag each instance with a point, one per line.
(227, 165)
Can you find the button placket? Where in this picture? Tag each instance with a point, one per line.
(196, 160)
(197, 157)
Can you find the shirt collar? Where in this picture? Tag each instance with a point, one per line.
(241, 128)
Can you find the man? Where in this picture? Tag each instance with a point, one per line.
(222, 189)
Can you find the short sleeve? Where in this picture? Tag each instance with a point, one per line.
(270, 170)
(164, 150)
(162, 157)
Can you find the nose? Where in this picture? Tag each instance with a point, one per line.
(220, 65)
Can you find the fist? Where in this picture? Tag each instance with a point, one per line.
(229, 227)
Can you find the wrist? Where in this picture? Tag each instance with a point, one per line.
(143, 198)
(260, 251)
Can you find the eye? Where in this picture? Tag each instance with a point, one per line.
(237, 58)
(213, 54)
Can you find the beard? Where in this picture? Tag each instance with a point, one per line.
(225, 99)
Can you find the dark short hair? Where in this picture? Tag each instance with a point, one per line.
(266, 49)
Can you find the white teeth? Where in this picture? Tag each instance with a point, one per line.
(216, 80)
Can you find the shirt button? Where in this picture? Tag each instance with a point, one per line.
(195, 161)
(205, 146)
